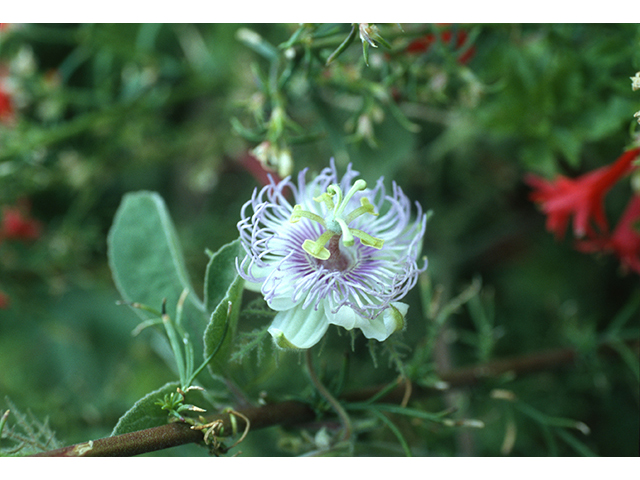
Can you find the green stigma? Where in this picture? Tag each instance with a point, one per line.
(336, 222)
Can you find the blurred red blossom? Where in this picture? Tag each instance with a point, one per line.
(424, 43)
(257, 169)
(624, 242)
(4, 300)
(17, 225)
(581, 197)
(6, 106)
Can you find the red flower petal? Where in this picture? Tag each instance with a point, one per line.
(4, 300)
(581, 197)
(423, 44)
(6, 107)
(16, 225)
(624, 242)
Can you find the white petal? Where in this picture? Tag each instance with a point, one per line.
(284, 299)
(389, 321)
(298, 327)
(252, 286)
(346, 317)
(380, 328)
(273, 280)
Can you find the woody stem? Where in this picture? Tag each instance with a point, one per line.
(295, 412)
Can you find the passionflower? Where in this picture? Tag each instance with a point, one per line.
(340, 253)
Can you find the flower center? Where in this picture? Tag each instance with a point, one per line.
(336, 223)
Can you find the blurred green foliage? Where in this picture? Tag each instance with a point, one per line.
(102, 110)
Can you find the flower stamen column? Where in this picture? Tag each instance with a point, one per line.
(336, 225)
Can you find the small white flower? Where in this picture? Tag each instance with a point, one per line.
(341, 254)
(635, 81)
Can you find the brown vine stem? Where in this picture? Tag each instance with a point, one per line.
(295, 413)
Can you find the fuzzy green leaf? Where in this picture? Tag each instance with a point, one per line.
(148, 266)
(145, 413)
(145, 256)
(148, 413)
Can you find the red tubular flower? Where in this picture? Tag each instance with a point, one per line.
(4, 300)
(423, 44)
(6, 107)
(17, 226)
(624, 242)
(581, 197)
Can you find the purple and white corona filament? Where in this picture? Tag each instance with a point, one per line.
(340, 254)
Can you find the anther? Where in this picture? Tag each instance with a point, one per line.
(335, 223)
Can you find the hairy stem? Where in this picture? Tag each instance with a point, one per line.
(176, 434)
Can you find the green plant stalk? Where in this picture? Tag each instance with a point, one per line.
(210, 357)
(175, 346)
(343, 46)
(3, 421)
(550, 421)
(335, 404)
(395, 430)
(578, 446)
(335, 40)
(411, 412)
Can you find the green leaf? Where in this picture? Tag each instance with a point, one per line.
(222, 276)
(343, 46)
(145, 413)
(145, 256)
(221, 330)
(576, 444)
(568, 143)
(147, 263)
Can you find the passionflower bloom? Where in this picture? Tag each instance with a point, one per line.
(580, 197)
(339, 253)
